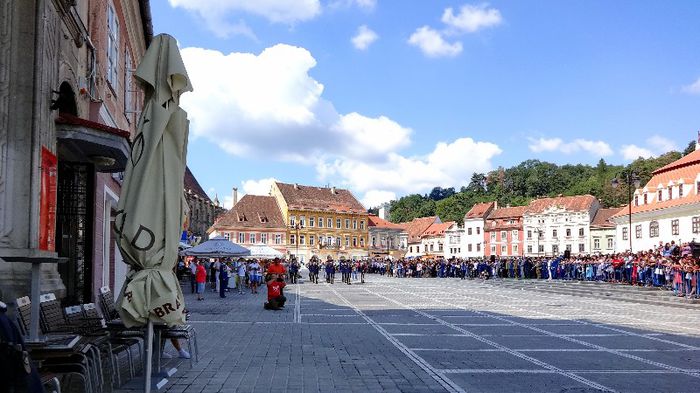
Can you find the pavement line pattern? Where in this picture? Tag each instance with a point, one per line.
(447, 383)
(564, 337)
(513, 352)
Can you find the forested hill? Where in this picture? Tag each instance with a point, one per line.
(518, 185)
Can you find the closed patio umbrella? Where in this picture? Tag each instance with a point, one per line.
(152, 208)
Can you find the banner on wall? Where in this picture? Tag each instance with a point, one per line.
(47, 207)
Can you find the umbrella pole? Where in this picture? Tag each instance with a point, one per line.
(149, 357)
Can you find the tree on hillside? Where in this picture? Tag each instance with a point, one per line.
(690, 148)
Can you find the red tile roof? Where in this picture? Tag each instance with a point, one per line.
(191, 183)
(577, 203)
(252, 211)
(687, 169)
(438, 228)
(418, 226)
(507, 212)
(300, 197)
(602, 218)
(377, 222)
(480, 210)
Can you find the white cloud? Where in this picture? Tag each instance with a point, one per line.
(216, 12)
(472, 18)
(597, 148)
(375, 198)
(258, 187)
(693, 88)
(432, 43)
(364, 37)
(367, 5)
(268, 103)
(632, 152)
(655, 145)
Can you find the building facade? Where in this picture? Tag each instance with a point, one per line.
(414, 234)
(473, 235)
(667, 208)
(453, 241)
(554, 225)
(68, 104)
(503, 232)
(385, 238)
(251, 221)
(203, 211)
(603, 232)
(322, 221)
(433, 239)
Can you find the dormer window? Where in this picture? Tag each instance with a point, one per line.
(680, 190)
(645, 198)
(636, 200)
(661, 196)
(263, 218)
(241, 217)
(670, 192)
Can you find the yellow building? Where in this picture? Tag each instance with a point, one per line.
(322, 222)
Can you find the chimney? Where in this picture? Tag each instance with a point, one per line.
(382, 213)
(333, 190)
(235, 196)
(495, 205)
(296, 186)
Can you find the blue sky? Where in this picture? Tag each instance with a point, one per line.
(430, 91)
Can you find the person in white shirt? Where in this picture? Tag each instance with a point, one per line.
(255, 275)
(240, 275)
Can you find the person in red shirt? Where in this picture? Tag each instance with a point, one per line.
(200, 277)
(275, 299)
(276, 268)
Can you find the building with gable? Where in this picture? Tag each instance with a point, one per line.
(472, 241)
(322, 221)
(555, 225)
(414, 234)
(255, 219)
(603, 232)
(666, 208)
(503, 232)
(433, 239)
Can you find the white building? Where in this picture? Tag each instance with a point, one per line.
(453, 242)
(554, 225)
(473, 234)
(432, 240)
(415, 230)
(666, 209)
(603, 232)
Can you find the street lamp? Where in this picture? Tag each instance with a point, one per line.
(297, 227)
(631, 179)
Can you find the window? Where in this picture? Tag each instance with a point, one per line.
(493, 250)
(625, 235)
(540, 234)
(362, 242)
(645, 198)
(469, 247)
(581, 247)
(529, 235)
(252, 238)
(674, 227)
(417, 249)
(478, 247)
(638, 231)
(410, 249)
(568, 232)
(432, 247)
(493, 236)
(514, 235)
(636, 200)
(302, 239)
(347, 223)
(503, 249)
(504, 235)
(263, 238)
(596, 244)
(329, 222)
(654, 229)
(529, 249)
(338, 223)
(555, 249)
(680, 190)
(292, 221)
(362, 225)
(515, 249)
(554, 233)
(696, 225)
(302, 221)
(568, 247)
(611, 243)
(337, 241)
(347, 241)
(292, 239)
(354, 224)
(320, 222)
(227, 236)
(469, 231)
(440, 247)
(374, 241)
(540, 248)
(329, 240)
(312, 222)
(670, 192)
(354, 241)
(278, 238)
(660, 195)
(112, 47)
(478, 231)
(241, 237)
(581, 232)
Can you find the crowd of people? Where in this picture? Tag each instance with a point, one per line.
(668, 266)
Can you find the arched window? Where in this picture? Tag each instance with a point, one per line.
(654, 229)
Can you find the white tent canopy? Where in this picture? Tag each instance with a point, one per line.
(263, 251)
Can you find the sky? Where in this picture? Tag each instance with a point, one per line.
(392, 97)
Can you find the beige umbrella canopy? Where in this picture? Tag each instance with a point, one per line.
(152, 207)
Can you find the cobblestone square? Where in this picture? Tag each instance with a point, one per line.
(438, 335)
